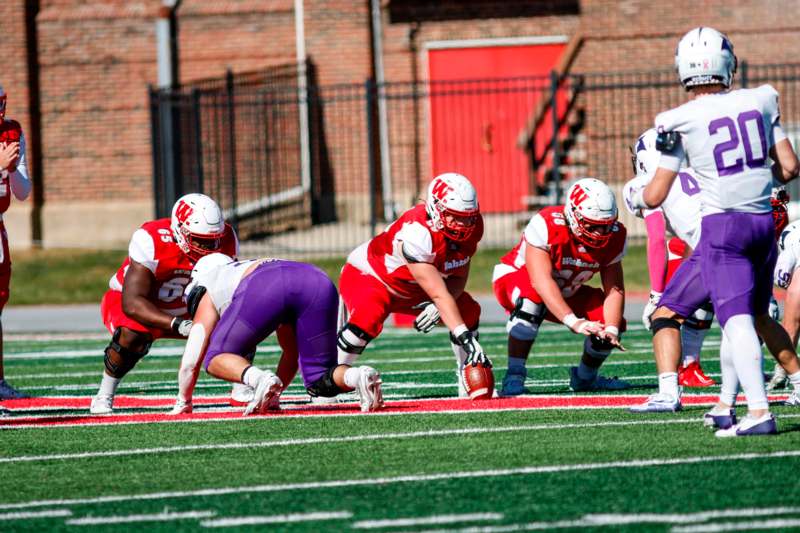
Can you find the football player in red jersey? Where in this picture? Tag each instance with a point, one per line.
(145, 298)
(13, 176)
(543, 278)
(418, 265)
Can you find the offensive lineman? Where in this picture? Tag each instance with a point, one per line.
(236, 305)
(543, 277)
(729, 137)
(418, 265)
(145, 297)
(13, 175)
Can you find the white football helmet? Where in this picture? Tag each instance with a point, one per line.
(452, 205)
(196, 288)
(591, 211)
(705, 57)
(645, 156)
(197, 225)
(3, 98)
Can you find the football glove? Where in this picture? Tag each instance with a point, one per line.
(474, 350)
(774, 309)
(181, 326)
(650, 307)
(427, 318)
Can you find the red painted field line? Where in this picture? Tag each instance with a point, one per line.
(395, 407)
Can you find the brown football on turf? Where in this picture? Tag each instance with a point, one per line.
(479, 381)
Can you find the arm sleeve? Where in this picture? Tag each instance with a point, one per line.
(20, 182)
(656, 250)
(142, 250)
(416, 243)
(785, 267)
(773, 110)
(536, 233)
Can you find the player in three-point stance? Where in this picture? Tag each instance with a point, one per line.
(145, 298)
(13, 179)
(729, 137)
(237, 304)
(418, 265)
(543, 278)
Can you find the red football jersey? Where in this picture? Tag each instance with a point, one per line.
(573, 263)
(412, 238)
(154, 247)
(10, 131)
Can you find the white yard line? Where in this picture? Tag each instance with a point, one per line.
(443, 476)
(165, 516)
(783, 523)
(427, 520)
(50, 513)
(276, 519)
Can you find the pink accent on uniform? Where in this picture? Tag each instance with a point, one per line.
(656, 250)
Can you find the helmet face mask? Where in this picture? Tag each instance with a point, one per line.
(452, 205)
(705, 57)
(197, 225)
(591, 212)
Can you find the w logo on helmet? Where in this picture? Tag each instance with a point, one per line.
(440, 189)
(183, 211)
(577, 196)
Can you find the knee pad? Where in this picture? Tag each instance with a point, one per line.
(324, 386)
(127, 357)
(524, 321)
(664, 323)
(352, 339)
(702, 318)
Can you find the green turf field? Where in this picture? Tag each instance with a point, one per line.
(484, 470)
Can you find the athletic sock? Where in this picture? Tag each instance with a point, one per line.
(108, 386)
(730, 381)
(691, 344)
(351, 376)
(668, 384)
(251, 376)
(747, 358)
(794, 379)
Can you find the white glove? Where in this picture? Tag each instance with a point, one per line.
(427, 318)
(637, 199)
(181, 407)
(774, 309)
(474, 350)
(181, 326)
(650, 307)
(582, 326)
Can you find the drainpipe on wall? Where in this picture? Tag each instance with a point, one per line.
(166, 44)
(302, 95)
(383, 121)
(167, 56)
(34, 136)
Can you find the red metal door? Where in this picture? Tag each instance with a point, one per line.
(474, 124)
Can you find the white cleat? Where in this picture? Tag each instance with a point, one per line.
(750, 427)
(658, 403)
(793, 399)
(268, 387)
(181, 408)
(369, 389)
(102, 404)
(242, 394)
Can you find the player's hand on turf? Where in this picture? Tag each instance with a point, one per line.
(427, 318)
(650, 308)
(181, 326)
(474, 350)
(181, 407)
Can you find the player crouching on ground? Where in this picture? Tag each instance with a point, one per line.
(543, 278)
(237, 304)
(418, 265)
(145, 298)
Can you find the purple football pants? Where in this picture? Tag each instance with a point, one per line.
(282, 292)
(732, 266)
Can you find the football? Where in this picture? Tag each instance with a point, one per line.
(479, 381)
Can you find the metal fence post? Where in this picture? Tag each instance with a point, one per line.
(370, 88)
(198, 140)
(555, 185)
(232, 145)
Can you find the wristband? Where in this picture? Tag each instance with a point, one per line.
(637, 200)
(570, 320)
(614, 330)
(461, 328)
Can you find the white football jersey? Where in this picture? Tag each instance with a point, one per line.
(681, 208)
(726, 138)
(221, 282)
(789, 258)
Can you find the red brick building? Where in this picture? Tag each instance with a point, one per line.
(77, 72)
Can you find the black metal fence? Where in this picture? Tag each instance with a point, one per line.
(305, 170)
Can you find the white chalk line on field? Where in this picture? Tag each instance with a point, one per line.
(50, 513)
(164, 516)
(236, 521)
(443, 476)
(427, 520)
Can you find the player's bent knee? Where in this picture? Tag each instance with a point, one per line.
(119, 360)
(325, 386)
(524, 321)
(658, 324)
(352, 339)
